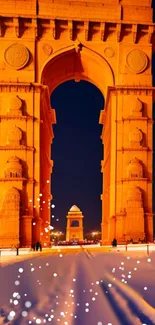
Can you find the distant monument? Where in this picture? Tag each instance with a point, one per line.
(74, 230)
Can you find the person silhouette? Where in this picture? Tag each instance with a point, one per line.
(114, 242)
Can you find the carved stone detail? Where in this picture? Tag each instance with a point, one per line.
(13, 168)
(137, 61)
(136, 107)
(136, 137)
(109, 52)
(15, 105)
(70, 27)
(13, 196)
(16, 56)
(135, 169)
(134, 197)
(102, 31)
(14, 136)
(47, 49)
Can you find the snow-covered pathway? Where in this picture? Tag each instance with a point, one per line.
(83, 288)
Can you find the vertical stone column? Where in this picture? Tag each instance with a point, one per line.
(149, 227)
(134, 159)
(37, 230)
(26, 231)
(112, 228)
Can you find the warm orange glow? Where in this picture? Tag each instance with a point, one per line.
(38, 56)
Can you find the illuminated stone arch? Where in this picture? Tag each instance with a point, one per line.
(120, 66)
(78, 63)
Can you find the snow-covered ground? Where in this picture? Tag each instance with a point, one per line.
(80, 288)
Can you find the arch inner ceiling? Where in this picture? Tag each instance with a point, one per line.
(79, 65)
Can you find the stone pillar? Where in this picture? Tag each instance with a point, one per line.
(36, 230)
(26, 231)
(120, 224)
(149, 227)
(105, 232)
(112, 226)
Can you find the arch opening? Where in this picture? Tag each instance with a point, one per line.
(73, 63)
(77, 151)
(75, 223)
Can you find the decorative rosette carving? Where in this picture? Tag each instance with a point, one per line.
(137, 61)
(16, 56)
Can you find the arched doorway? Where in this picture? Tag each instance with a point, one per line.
(115, 56)
(78, 63)
(77, 152)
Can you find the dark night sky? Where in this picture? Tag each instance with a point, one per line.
(77, 152)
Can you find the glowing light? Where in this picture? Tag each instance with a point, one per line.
(145, 288)
(149, 260)
(87, 310)
(15, 302)
(38, 321)
(20, 270)
(62, 313)
(12, 313)
(28, 304)
(53, 205)
(55, 274)
(24, 313)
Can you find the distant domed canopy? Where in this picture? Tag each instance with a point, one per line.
(74, 208)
